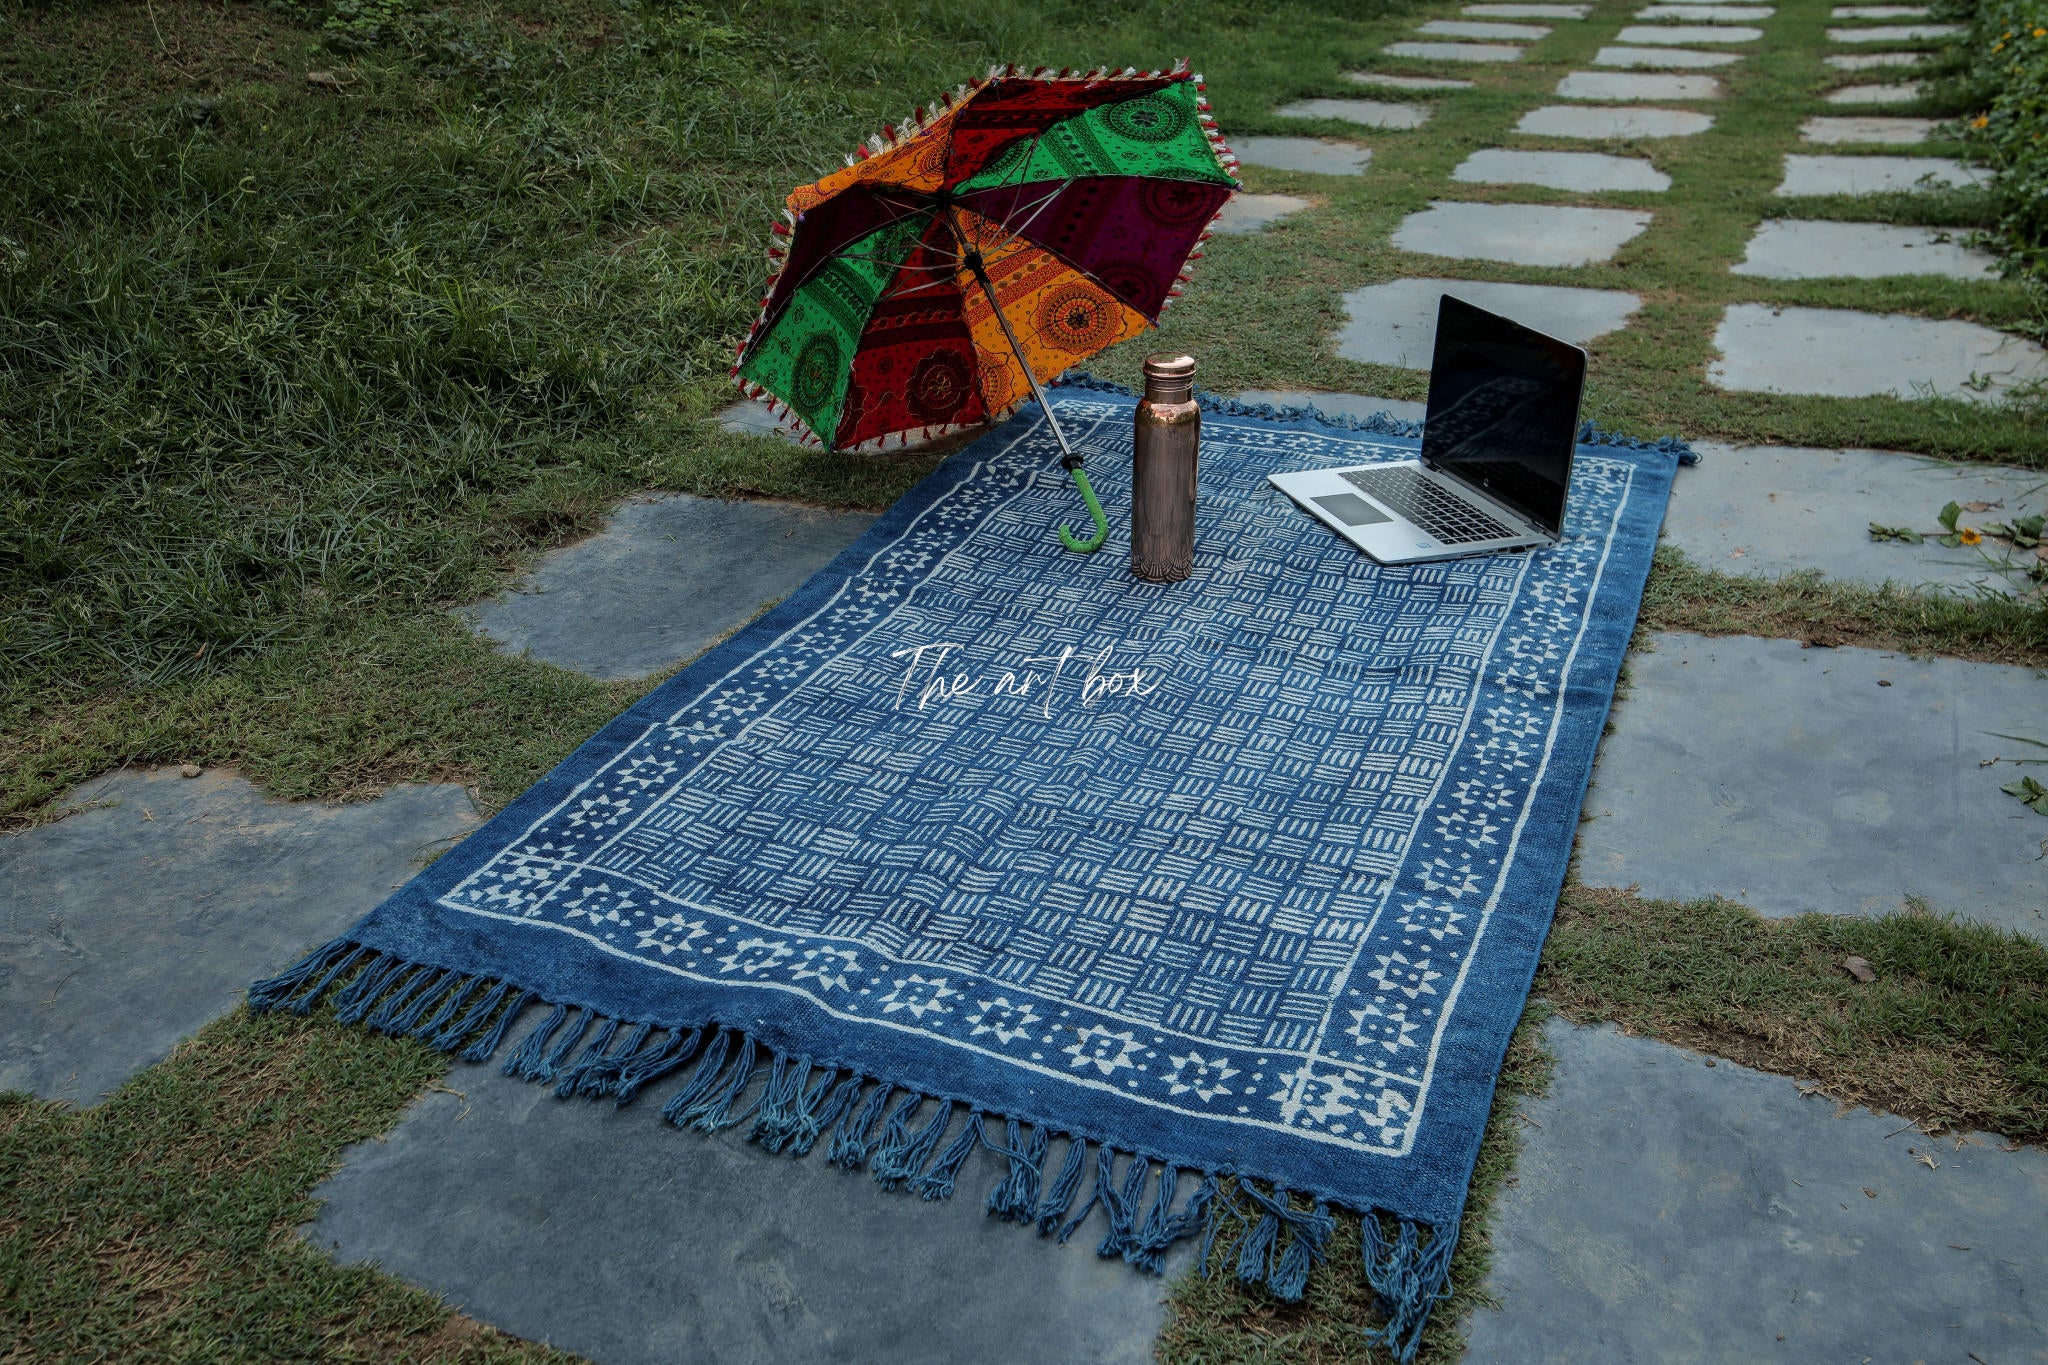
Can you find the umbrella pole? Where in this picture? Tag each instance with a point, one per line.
(1069, 461)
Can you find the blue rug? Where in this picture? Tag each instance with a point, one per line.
(973, 840)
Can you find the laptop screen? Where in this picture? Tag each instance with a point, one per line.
(1504, 409)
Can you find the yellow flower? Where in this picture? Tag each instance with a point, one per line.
(1998, 47)
(1980, 121)
(1968, 535)
(2041, 33)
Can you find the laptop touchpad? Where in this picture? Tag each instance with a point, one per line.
(1351, 509)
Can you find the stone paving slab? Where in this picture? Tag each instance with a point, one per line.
(1302, 154)
(1894, 33)
(1455, 52)
(1520, 234)
(1867, 128)
(1635, 58)
(1865, 61)
(1409, 82)
(1518, 11)
(1875, 174)
(1768, 511)
(1336, 404)
(1459, 28)
(1365, 113)
(1244, 214)
(1802, 350)
(1671, 1210)
(665, 580)
(1395, 323)
(1625, 121)
(753, 419)
(1708, 14)
(1837, 781)
(126, 928)
(1615, 85)
(1903, 92)
(1683, 35)
(611, 1234)
(1590, 171)
(1791, 249)
(1879, 12)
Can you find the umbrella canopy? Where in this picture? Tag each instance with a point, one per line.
(1027, 222)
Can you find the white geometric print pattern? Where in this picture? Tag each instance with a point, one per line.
(1250, 896)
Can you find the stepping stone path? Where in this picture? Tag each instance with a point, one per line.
(1409, 82)
(1874, 94)
(1865, 61)
(1249, 213)
(1560, 171)
(1302, 154)
(1609, 85)
(663, 582)
(1903, 33)
(1395, 323)
(1879, 12)
(1768, 511)
(1807, 175)
(1336, 404)
(1789, 249)
(1680, 35)
(1366, 113)
(1801, 350)
(1458, 28)
(1708, 14)
(1796, 806)
(1456, 52)
(1565, 120)
(1633, 58)
(131, 924)
(1520, 234)
(1893, 131)
(1525, 11)
(1670, 1208)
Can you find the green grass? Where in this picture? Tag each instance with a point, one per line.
(289, 367)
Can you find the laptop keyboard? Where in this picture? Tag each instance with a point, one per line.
(1450, 519)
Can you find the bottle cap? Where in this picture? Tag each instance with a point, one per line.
(1169, 378)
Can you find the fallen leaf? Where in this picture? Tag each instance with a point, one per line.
(1982, 506)
(1859, 968)
(1925, 1160)
(1869, 1193)
(1884, 682)
(326, 80)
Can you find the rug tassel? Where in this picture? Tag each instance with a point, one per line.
(1163, 1227)
(1121, 1204)
(451, 1002)
(1015, 1200)
(699, 1085)
(403, 1011)
(1105, 1161)
(356, 998)
(1064, 1187)
(776, 1119)
(482, 1048)
(276, 992)
(937, 1183)
(715, 1110)
(903, 1154)
(452, 1034)
(596, 1053)
(525, 1059)
(852, 1140)
(1407, 1281)
(635, 1073)
(827, 1114)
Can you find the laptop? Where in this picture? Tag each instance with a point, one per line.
(1497, 447)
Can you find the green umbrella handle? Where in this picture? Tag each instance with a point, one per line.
(1086, 547)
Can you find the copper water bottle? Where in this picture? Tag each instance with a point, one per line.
(1169, 430)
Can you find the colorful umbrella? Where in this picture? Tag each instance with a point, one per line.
(1027, 222)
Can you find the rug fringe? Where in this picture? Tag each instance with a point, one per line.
(905, 1139)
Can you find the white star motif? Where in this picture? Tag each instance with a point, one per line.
(1107, 1052)
(1205, 1077)
(827, 966)
(1398, 973)
(754, 956)
(919, 995)
(671, 933)
(1007, 1021)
